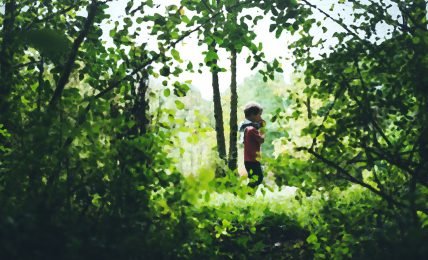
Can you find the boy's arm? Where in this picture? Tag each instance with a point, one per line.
(253, 133)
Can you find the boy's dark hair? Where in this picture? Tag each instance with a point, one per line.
(252, 108)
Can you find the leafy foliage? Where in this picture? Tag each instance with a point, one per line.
(96, 132)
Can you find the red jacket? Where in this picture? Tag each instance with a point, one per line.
(252, 143)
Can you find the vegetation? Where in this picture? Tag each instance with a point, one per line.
(105, 153)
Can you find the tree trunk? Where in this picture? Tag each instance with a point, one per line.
(218, 111)
(418, 24)
(233, 137)
(6, 60)
(141, 106)
(415, 18)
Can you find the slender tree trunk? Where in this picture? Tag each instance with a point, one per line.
(418, 24)
(6, 60)
(415, 18)
(308, 107)
(141, 107)
(41, 67)
(218, 111)
(233, 137)
(412, 198)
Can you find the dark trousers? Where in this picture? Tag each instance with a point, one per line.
(255, 173)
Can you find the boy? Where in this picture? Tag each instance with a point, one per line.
(252, 139)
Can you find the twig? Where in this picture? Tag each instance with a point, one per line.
(21, 65)
(49, 17)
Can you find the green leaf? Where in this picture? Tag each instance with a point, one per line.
(189, 66)
(179, 105)
(253, 230)
(24, 100)
(210, 56)
(167, 92)
(165, 71)
(416, 40)
(312, 239)
(176, 55)
(180, 90)
(185, 19)
(348, 70)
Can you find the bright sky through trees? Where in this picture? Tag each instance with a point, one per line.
(190, 50)
(273, 47)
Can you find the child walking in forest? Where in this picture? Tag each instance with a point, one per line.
(252, 137)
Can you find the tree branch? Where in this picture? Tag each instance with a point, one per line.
(407, 15)
(371, 161)
(352, 179)
(383, 13)
(63, 80)
(207, 6)
(50, 16)
(335, 20)
(369, 113)
(21, 65)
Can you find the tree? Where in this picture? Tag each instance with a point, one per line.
(212, 62)
(233, 148)
(374, 112)
(78, 150)
(218, 110)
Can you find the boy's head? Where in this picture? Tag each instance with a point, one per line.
(253, 112)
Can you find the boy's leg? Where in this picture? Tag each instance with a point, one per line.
(250, 171)
(255, 174)
(248, 168)
(258, 172)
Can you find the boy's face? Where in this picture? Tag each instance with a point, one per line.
(256, 118)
